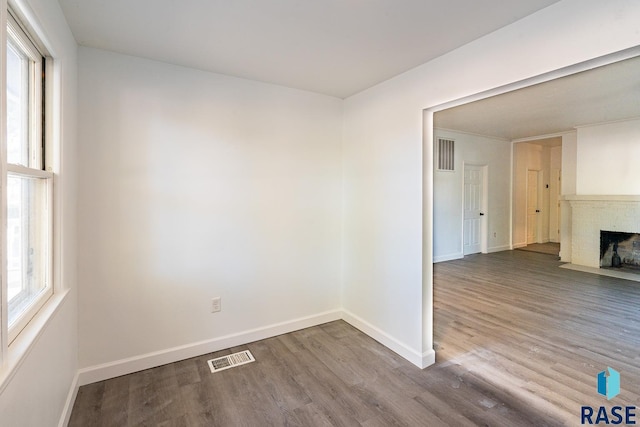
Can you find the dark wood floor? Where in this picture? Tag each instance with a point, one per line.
(519, 342)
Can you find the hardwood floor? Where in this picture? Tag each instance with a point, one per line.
(550, 248)
(519, 342)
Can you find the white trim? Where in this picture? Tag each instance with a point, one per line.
(428, 359)
(27, 339)
(572, 198)
(150, 360)
(499, 249)
(448, 257)
(23, 13)
(68, 404)
(137, 363)
(484, 229)
(459, 255)
(512, 166)
(539, 137)
(28, 172)
(499, 138)
(4, 308)
(421, 360)
(608, 122)
(21, 36)
(428, 136)
(590, 64)
(519, 245)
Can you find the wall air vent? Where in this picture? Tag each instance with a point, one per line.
(230, 361)
(445, 154)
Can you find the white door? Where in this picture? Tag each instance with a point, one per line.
(533, 211)
(554, 205)
(558, 198)
(473, 205)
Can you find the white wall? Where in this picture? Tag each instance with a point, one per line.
(556, 158)
(519, 185)
(383, 151)
(569, 162)
(195, 185)
(257, 168)
(555, 169)
(607, 159)
(35, 391)
(568, 187)
(448, 198)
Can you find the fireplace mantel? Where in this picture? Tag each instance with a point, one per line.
(601, 198)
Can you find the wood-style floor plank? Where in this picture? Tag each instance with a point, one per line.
(519, 342)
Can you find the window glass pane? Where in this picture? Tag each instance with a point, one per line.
(27, 241)
(17, 106)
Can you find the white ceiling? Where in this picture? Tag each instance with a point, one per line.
(604, 94)
(335, 47)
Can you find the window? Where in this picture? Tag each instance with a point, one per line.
(29, 185)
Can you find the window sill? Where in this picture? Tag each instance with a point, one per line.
(29, 336)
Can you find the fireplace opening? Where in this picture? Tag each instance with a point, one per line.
(620, 250)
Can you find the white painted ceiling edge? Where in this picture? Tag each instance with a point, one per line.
(607, 93)
(333, 47)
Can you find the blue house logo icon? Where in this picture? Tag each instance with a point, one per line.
(609, 386)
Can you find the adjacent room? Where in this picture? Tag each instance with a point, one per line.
(511, 322)
(183, 181)
(528, 146)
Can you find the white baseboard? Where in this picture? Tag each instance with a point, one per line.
(150, 360)
(498, 249)
(428, 358)
(68, 404)
(449, 257)
(460, 255)
(421, 360)
(519, 245)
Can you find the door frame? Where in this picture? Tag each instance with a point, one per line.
(539, 202)
(555, 209)
(484, 227)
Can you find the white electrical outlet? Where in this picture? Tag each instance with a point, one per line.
(216, 304)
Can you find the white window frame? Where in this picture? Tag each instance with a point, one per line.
(40, 170)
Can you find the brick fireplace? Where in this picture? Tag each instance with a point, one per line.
(593, 214)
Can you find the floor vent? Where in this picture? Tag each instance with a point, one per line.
(232, 360)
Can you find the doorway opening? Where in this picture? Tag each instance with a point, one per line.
(537, 194)
(605, 68)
